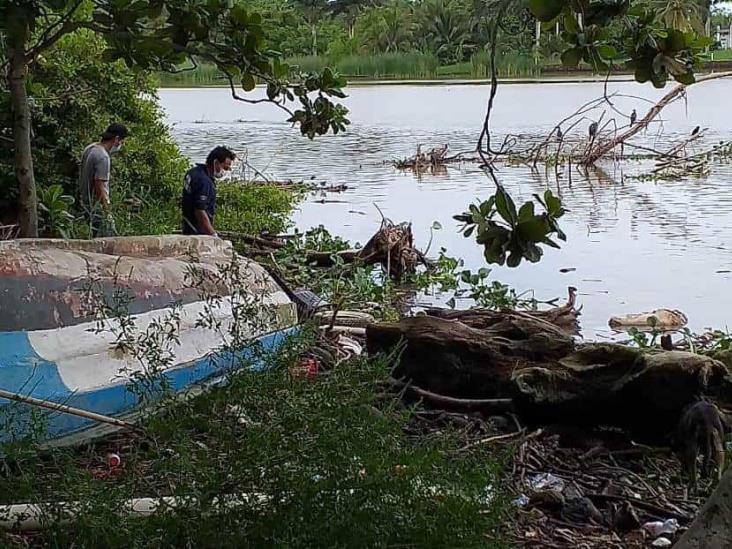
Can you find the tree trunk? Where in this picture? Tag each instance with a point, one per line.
(314, 31)
(17, 76)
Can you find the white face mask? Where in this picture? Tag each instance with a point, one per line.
(218, 174)
(116, 148)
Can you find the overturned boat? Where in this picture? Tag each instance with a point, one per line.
(110, 326)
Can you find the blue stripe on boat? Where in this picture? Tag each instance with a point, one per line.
(23, 371)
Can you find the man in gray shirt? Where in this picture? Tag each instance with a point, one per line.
(94, 180)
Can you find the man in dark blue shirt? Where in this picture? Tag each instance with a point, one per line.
(199, 192)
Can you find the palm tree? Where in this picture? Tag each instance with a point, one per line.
(445, 28)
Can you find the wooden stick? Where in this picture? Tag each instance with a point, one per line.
(253, 240)
(494, 404)
(659, 511)
(353, 330)
(488, 440)
(55, 406)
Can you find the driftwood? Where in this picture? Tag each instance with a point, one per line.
(565, 317)
(8, 232)
(422, 161)
(454, 359)
(392, 247)
(548, 376)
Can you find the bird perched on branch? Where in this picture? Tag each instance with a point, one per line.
(593, 130)
(696, 131)
(559, 133)
(633, 117)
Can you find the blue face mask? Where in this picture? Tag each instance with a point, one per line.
(116, 148)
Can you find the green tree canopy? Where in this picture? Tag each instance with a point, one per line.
(163, 35)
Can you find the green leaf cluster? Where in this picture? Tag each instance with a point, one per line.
(606, 33)
(509, 236)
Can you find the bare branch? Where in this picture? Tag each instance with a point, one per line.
(238, 97)
(604, 148)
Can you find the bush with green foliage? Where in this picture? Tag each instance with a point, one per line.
(56, 219)
(328, 461)
(75, 95)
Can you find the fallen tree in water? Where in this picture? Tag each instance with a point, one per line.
(422, 161)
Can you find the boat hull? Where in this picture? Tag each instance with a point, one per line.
(65, 355)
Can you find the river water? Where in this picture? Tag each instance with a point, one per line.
(636, 245)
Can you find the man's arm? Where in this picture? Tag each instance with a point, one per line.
(204, 223)
(100, 191)
(102, 170)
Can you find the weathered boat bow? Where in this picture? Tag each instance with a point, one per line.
(60, 327)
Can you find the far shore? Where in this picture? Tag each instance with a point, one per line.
(572, 78)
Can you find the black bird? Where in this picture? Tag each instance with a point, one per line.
(559, 133)
(633, 117)
(593, 130)
(696, 130)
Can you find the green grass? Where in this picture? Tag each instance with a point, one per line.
(457, 70)
(511, 65)
(385, 65)
(721, 55)
(396, 65)
(335, 472)
(203, 75)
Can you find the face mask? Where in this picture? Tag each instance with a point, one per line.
(116, 148)
(218, 174)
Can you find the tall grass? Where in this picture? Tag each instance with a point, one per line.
(508, 65)
(382, 65)
(203, 75)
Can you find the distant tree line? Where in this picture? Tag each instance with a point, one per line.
(452, 30)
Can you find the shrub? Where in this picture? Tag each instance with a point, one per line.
(74, 95)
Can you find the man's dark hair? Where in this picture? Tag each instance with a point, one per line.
(115, 130)
(219, 153)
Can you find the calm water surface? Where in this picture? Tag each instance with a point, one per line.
(635, 245)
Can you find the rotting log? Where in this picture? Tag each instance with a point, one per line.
(453, 359)
(549, 377)
(611, 384)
